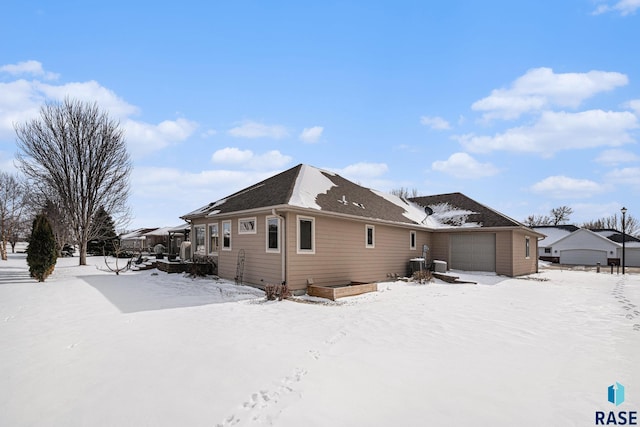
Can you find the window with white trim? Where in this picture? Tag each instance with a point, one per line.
(412, 240)
(226, 235)
(273, 234)
(214, 239)
(527, 247)
(199, 239)
(370, 234)
(306, 235)
(247, 226)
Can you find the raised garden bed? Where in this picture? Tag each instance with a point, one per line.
(334, 292)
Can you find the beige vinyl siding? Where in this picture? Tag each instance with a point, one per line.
(260, 267)
(504, 254)
(341, 254)
(440, 247)
(521, 264)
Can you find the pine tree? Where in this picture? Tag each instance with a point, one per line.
(103, 227)
(41, 253)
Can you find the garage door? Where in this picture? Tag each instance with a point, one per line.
(473, 251)
(583, 257)
(631, 257)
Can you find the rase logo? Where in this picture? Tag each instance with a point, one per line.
(615, 395)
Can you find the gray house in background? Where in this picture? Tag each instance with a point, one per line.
(307, 225)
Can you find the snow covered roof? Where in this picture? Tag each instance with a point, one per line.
(308, 187)
(166, 230)
(137, 234)
(554, 233)
(616, 235)
(459, 210)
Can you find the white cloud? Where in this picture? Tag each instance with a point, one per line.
(209, 133)
(615, 157)
(541, 88)
(437, 123)
(91, 92)
(206, 186)
(555, 131)
(145, 137)
(624, 7)
(21, 101)
(462, 165)
(311, 135)
(625, 176)
(231, 155)
(635, 106)
(33, 68)
(248, 159)
(362, 170)
(563, 187)
(251, 129)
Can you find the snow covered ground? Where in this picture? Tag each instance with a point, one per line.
(88, 348)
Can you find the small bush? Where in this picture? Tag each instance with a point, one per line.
(276, 291)
(202, 265)
(423, 276)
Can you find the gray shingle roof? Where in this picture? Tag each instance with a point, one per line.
(483, 215)
(308, 187)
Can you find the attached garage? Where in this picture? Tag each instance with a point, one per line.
(473, 251)
(583, 257)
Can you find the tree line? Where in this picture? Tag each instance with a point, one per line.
(562, 215)
(74, 172)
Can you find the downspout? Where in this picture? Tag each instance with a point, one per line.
(283, 245)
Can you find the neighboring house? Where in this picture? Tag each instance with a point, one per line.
(135, 240)
(170, 237)
(552, 233)
(568, 244)
(632, 246)
(307, 225)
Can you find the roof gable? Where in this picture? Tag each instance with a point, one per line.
(584, 239)
(553, 233)
(273, 191)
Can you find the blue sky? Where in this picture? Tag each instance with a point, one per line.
(521, 105)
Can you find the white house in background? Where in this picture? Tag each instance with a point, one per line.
(584, 247)
(632, 246)
(568, 244)
(552, 233)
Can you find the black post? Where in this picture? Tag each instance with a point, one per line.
(624, 232)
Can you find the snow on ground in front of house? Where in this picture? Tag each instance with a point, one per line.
(88, 347)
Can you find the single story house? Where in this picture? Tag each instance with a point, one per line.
(552, 233)
(135, 240)
(145, 239)
(568, 244)
(310, 226)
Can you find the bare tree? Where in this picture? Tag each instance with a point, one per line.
(12, 210)
(614, 222)
(561, 214)
(59, 224)
(405, 193)
(538, 220)
(78, 153)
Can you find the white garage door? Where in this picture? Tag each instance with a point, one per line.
(631, 257)
(583, 257)
(473, 252)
